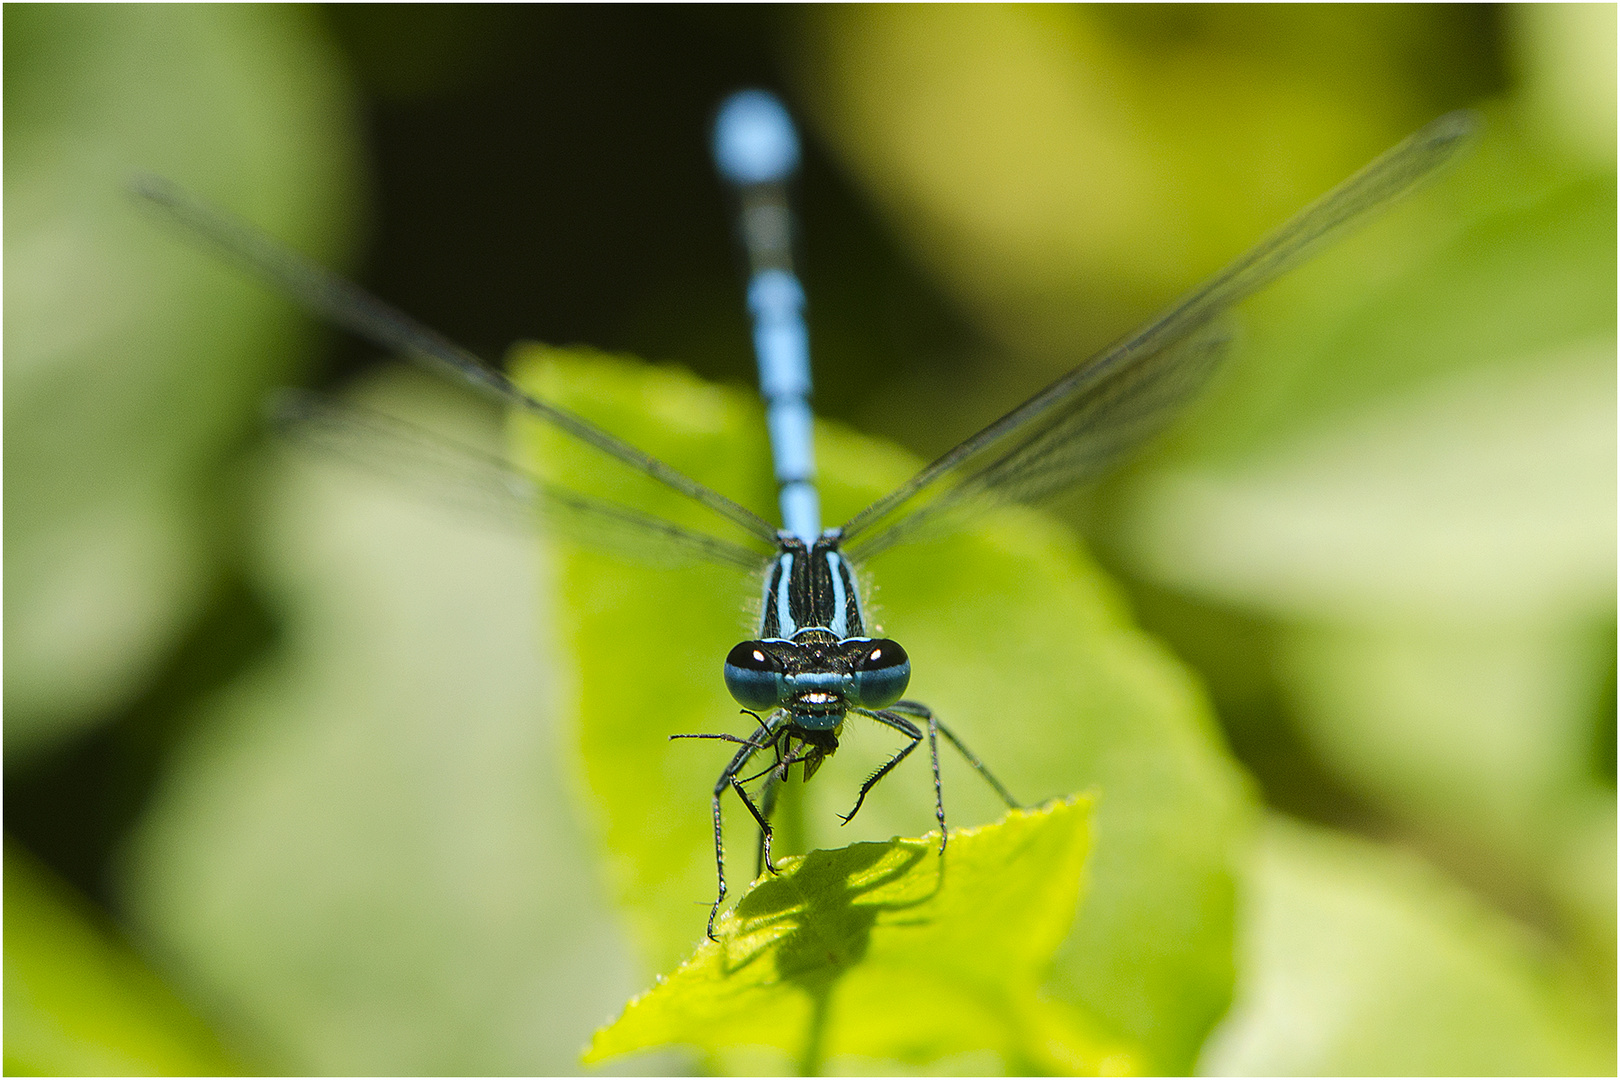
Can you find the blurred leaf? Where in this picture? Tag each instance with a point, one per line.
(80, 1003)
(1412, 467)
(867, 952)
(1488, 494)
(364, 855)
(1358, 961)
(1484, 731)
(133, 365)
(1567, 69)
(1482, 736)
(1015, 639)
(1066, 170)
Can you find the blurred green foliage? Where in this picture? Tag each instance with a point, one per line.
(80, 1003)
(133, 368)
(1363, 961)
(422, 829)
(367, 856)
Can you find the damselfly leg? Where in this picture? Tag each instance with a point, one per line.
(780, 733)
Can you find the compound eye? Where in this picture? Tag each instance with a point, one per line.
(881, 653)
(882, 672)
(753, 676)
(750, 656)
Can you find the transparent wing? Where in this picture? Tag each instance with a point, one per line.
(455, 474)
(349, 306)
(1071, 442)
(1080, 425)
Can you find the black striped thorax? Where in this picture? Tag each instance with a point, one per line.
(812, 587)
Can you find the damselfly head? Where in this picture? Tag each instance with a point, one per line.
(817, 677)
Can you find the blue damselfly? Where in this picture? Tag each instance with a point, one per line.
(811, 664)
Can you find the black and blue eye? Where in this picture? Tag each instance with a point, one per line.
(882, 670)
(753, 676)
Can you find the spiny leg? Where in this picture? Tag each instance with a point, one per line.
(775, 776)
(899, 724)
(724, 736)
(729, 779)
(765, 730)
(768, 804)
(764, 825)
(939, 788)
(933, 760)
(779, 767)
(921, 711)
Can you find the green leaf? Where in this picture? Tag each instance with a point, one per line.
(1359, 960)
(81, 1003)
(1015, 638)
(134, 364)
(883, 951)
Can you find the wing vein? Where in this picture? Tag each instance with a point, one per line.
(355, 310)
(471, 479)
(1088, 418)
